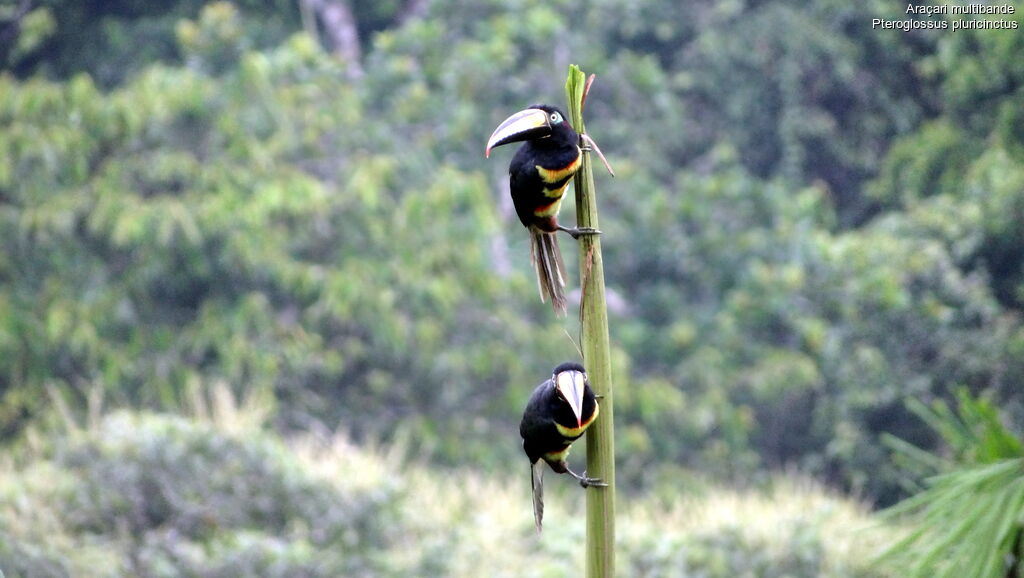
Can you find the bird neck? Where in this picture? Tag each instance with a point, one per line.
(556, 152)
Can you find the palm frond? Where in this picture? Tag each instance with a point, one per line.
(967, 521)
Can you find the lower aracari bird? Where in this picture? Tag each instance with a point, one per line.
(559, 411)
(538, 176)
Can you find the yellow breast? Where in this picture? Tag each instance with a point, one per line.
(575, 432)
(558, 456)
(549, 209)
(556, 175)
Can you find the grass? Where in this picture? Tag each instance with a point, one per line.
(215, 494)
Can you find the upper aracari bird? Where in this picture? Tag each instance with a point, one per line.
(559, 411)
(538, 176)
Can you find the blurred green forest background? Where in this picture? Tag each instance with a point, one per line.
(265, 309)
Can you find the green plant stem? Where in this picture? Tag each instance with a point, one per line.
(596, 354)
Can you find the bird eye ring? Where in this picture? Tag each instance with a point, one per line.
(556, 118)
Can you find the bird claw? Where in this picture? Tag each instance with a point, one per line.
(580, 231)
(586, 482)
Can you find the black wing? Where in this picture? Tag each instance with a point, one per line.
(538, 425)
(525, 184)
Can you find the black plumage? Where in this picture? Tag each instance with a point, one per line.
(559, 411)
(539, 174)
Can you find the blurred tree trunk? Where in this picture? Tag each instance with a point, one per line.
(339, 25)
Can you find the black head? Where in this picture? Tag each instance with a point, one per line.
(568, 366)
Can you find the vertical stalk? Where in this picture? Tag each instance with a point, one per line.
(596, 353)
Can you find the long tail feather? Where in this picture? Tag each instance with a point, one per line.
(537, 482)
(551, 274)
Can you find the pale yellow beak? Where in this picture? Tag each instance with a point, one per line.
(523, 125)
(572, 384)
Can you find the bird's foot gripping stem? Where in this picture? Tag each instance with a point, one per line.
(586, 482)
(578, 232)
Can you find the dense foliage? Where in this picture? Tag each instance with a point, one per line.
(158, 495)
(161, 496)
(812, 222)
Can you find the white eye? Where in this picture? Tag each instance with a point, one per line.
(556, 118)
